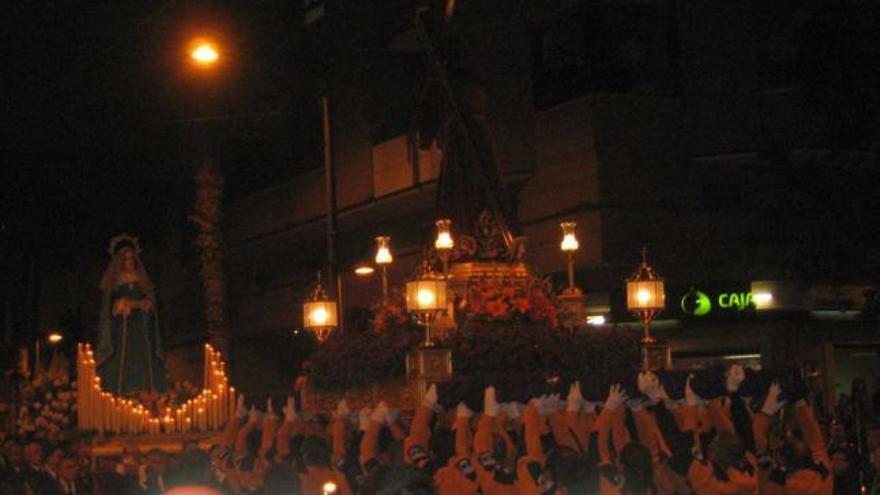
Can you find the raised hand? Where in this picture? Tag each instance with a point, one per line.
(490, 402)
(635, 404)
(380, 414)
(616, 397)
(575, 401)
(690, 397)
(430, 398)
(512, 410)
(772, 404)
(289, 410)
(240, 410)
(253, 415)
(364, 418)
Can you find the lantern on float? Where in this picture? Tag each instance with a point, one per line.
(645, 298)
(426, 299)
(444, 242)
(320, 313)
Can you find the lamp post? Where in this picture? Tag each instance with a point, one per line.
(383, 259)
(320, 314)
(53, 338)
(572, 301)
(426, 298)
(206, 61)
(444, 243)
(204, 53)
(569, 246)
(645, 297)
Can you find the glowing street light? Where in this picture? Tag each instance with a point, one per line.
(569, 245)
(384, 258)
(364, 270)
(54, 337)
(426, 298)
(444, 242)
(204, 53)
(645, 297)
(319, 313)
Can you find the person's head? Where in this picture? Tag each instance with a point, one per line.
(838, 432)
(875, 457)
(69, 469)
(795, 452)
(53, 460)
(156, 461)
(190, 446)
(637, 468)
(280, 479)
(841, 461)
(398, 479)
(872, 434)
(15, 486)
(859, 386)
(33, 453)
(316, 452)
(194, 490)
(129, 259)
(13, 452)
(727, 450)
(192, 468)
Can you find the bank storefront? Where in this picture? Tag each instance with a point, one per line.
(827, 331)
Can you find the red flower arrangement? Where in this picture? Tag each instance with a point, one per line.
(506, 301)
(390, 313)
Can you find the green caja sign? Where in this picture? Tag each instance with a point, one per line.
(699, 303)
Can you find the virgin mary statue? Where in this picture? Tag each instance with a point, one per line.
(129, 353)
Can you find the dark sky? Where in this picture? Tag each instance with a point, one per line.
(98, 102)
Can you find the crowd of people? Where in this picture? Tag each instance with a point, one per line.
(636, 442)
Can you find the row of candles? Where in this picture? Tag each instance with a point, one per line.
(105, 412)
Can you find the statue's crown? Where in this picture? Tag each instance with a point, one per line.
(123, 240)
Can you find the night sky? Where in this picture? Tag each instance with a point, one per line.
(98, 109)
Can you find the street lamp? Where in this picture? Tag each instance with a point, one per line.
(569, 245)
(53, 337)
(444, 243)
(384, 258)
(645, 297)
(319, 313)
(426, 298)
(364, 270)
(204, 53)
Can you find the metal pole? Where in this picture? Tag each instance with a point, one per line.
(647, 339)
(570, 271)
(340, 317)
(330, 194)
(384, 284)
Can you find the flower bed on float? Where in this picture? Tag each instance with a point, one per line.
(508, 335)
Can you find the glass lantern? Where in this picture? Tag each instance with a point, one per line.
(426, 298)
(320, 313)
